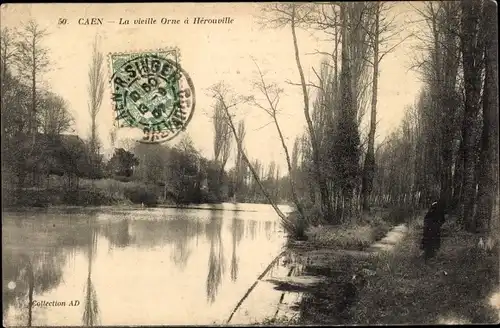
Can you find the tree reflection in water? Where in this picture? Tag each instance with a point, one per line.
(184, 231)
(237, 230)
(118, 233)
(253, 229)
(268, 227)
(216, 261)
(35, 265)
(90, 315)
(34, 274)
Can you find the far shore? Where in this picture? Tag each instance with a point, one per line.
(122, 206)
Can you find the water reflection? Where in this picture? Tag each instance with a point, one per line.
(151, 253)
(118, 233)
(90, 315)
(183, 233)
(268, 227)
(237, 230)
(33, 267)
(252, 229)
(216, 260)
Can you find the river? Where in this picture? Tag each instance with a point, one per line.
(110, 266)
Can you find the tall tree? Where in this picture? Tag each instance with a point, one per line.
(381, 39)
(95, 93)
(222, 140)
(346, 148)
(472, 54)
(7, 55)
(292, 15)
(32, 61)
(240, 166)
(488, 178)
(272, 93)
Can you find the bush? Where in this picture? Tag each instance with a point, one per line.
(87, 198)
(138, 195)
(296, 226)
(350, 236)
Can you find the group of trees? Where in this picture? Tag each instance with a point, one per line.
(33, 117)
(327, 170)
(186, 176)
(36, 122)
(447, 145)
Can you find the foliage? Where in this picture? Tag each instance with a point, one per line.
(141, 195)
(84, 197)
(348, 236)
(122, 163)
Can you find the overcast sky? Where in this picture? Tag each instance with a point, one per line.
(209, 53)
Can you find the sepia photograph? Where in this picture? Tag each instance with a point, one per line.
(246, 163)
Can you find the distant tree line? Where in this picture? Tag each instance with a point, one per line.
(446, 147)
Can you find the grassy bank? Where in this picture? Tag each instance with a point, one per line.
(401, 289)
(348, 236)
(454, 287)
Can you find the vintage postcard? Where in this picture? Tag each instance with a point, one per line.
(269, 163)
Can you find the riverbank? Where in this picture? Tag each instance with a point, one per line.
(274, 296)
(397, 287)
(102, 192)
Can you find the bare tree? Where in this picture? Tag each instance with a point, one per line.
(240, 167)
(32, 61)
(381, 38)
(222, 139)
(95, 92)
(54, 113)
(294, 14)
(272, 93)
(7, 54)
(222, 94)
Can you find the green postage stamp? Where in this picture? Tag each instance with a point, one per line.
(151, 92)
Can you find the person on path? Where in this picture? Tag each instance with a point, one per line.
(431, 239)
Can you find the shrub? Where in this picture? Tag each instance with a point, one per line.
(141, 194)
(350, 236)
(295, 226)
(86, 197)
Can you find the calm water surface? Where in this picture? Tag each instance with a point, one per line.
(134, 267)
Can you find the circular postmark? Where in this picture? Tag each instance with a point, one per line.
(153, 93)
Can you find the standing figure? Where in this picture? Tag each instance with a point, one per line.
(431, 239)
